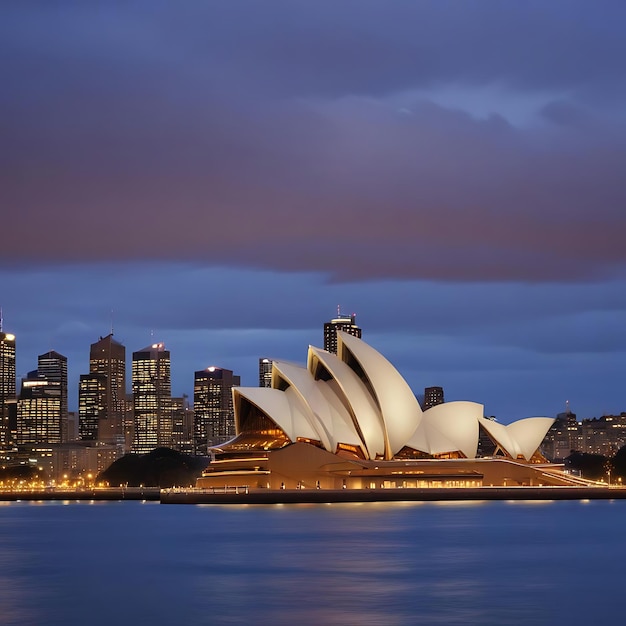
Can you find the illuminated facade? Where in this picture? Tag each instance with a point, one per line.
(152, 393)
(7, 388)
(53, 367)
(603, 435)
(265, 372)
(214, 420)
(344, 323)
(350, 419)
(107, 357)
(91, 405)
(75, 463)
(39, 411)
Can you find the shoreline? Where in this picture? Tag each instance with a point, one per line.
(243, 496)
(97, 493)
(427, 494)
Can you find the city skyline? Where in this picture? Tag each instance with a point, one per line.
(222, 177)
(183, 380)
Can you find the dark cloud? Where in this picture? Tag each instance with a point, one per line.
(225, 174)
(288, 136)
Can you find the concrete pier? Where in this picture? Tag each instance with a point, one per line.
(241, 495)
(104, 494)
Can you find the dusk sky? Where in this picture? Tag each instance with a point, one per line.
(222, 175)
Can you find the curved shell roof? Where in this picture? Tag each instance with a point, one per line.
(358, 399)
(520, 438)
(400, 410)
(328, 414)
(449, 427)
(355, 397)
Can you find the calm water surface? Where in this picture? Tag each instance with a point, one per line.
(388, 564)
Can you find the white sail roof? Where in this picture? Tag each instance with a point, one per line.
(451, 426)
(398, 405)
(355, 397)
(360, 400)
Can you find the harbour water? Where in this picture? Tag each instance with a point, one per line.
(340, 564)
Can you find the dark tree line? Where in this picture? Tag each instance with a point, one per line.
(161, 467)
(598, 466)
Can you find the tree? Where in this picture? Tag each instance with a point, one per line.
(161, 467)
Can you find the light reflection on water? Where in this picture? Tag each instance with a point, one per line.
(472, 563)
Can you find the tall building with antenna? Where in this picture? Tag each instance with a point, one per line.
(107, 364)
(152, 392)
(346, 323)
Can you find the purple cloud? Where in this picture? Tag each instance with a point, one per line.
(171, 139)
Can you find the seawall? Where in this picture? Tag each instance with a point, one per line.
(105, 494)
(321, 496)
(241, 495)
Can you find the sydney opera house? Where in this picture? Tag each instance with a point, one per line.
(350, 420)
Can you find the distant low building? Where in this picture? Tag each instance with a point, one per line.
(75, 461)
(603, 435)
(432, 397)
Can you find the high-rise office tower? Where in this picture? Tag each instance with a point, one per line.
(347, 323)
(214, 419)
(432, 397)
(182, 420)
(152, 394)
(53, 367)
(92, 393)
(7, 387)
(265, 372)
(39, 410)
(107, 357)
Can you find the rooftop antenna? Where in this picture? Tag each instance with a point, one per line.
(567, 407)
(338, 310)
(111, 321)
(0, 319)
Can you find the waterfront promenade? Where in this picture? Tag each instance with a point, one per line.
(243, 495)
(96, 493)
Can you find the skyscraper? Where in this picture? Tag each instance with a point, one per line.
(7, 385)
(214, 419)
(347, 323)
(152, 393)
(39, 411)
(53, 367)
(91, 405)
(265, 372)
(107, 357)
(182, 425)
